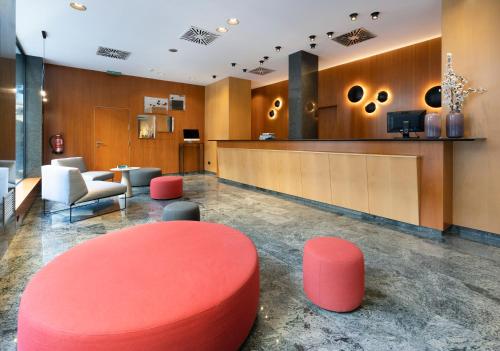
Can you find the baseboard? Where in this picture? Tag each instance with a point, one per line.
(422, 232)
(476, 235)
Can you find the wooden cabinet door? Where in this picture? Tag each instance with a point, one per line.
(111, 137)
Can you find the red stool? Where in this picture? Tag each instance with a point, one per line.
(334, 274)
(166, 187)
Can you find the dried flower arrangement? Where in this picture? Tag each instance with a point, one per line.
(453, 86)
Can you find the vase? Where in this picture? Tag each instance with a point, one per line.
(455, 125)
(432, 125)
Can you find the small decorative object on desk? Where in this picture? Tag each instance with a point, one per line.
(122, 166)
(454, 93)
(432, 125)
(267, 136)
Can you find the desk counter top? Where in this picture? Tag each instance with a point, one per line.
(366, 139)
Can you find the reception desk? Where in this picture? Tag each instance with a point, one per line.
(409, 181)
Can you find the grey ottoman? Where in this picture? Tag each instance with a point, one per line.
(143, 176)
(181, 211)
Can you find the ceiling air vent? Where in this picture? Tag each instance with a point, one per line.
(261, 71)
(199, 36)
(112, 53)
(354, 37)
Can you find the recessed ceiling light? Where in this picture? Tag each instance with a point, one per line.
(233, 64)
(261, 62)
(330, 35)
(375, 15)
(277, 48)
(78, 6)
(313, 45)
(222, 29)
(353, 16)
(312, 37)
(266, 58)
(233, 21)
(173, 50)
(214, 76)
(244, 70)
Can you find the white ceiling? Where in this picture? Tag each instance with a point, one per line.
(148, 28)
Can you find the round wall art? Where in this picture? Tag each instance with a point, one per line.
(370, 107)
(355, 94)
(433, 96)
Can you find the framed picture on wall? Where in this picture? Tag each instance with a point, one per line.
(155, 105)
(177, 102)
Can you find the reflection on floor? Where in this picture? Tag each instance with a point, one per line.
(420, 294)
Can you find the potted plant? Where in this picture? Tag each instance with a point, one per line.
(454, 94)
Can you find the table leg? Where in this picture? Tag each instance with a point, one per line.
(126, 181)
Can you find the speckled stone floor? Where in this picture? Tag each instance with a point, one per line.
(420, 294)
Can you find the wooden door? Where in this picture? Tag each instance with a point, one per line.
(111, 137)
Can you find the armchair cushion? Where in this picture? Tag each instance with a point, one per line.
(97, 175)
(76, 162)
(98, 189)
(62, 184)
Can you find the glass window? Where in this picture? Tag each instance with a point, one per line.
(20, 121)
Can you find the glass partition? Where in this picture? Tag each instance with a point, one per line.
(20, 116)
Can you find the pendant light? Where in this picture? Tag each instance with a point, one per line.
(43, 93)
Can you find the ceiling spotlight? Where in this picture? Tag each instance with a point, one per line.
(312, 45)
(43, 93)
(244, 70)
(173, 50)
(214, 76)
(277, 48)
(45, 99)
(233, 21)
(353, 16)
(312, 37)
(261, 62)
(78, 6)
(266, 58)
(222, 29)
(233, 64)
(330, 35)
(375, 15)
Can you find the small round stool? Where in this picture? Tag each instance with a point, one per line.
(334, 274)
(143, 176)
(181, 211)
(166, 187)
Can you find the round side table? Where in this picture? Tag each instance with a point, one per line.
(126, 178)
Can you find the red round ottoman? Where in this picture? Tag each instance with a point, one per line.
(166, 187)
(180, 285)
(334, 274)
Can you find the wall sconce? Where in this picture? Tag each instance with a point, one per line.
(433, 96)
(278, 103)
(272, 113)
(355, 94)
(370, 107)
(382, 96)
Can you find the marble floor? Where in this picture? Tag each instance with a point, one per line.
(421, 294)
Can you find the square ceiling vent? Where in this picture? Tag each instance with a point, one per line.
(199, 36)
(261, 71)
(354, 37)
(112, 53)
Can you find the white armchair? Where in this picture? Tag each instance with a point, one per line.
(67, 186)
(11, 166)
(79, 163)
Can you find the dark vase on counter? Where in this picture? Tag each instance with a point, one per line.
(455, 125)
(432, 125)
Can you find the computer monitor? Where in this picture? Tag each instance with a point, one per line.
(405, 122)
(191, 134)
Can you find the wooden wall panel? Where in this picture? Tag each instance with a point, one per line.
(406, 73)
(315, 176)
(349, 181)
(393, 187)
(476, 167)
(74, 93)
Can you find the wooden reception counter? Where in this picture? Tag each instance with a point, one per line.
(405, 180)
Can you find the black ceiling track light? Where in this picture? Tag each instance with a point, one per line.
(313, 45)
(261, 62)
(353, 16)
(312, 38)
(330, 35)
(375, 15)
(244, 70)
(355, 94)
(233, 64)
(277, 48)
(266, 58)
(214, 76)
